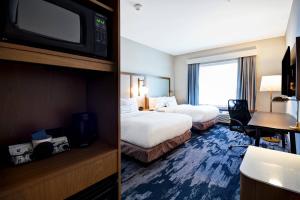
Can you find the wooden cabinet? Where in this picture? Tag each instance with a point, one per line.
(255, 190)
(61, 175)
(40, 89)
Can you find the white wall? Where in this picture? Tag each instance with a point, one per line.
(270, 53)
(293, 31)
(138, 58)
(293, 28)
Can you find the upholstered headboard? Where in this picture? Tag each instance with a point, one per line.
(157, 86)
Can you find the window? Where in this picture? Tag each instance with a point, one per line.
(218, 82)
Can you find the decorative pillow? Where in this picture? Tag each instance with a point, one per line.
(171, 101)
(156, 103)
(129, 106)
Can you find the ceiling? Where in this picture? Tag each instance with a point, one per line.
(183, 26)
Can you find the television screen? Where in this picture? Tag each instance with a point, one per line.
(286, 63)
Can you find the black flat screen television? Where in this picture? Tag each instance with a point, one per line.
(288, 76)
(286, 63)
(295, 68)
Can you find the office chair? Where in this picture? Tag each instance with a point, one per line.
(239, 118)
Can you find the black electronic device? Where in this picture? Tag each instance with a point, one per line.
(288, 75)
(54, 24)
(84, 129)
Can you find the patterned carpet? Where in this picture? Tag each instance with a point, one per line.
(201, 169)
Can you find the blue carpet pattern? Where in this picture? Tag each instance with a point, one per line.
(201, 169)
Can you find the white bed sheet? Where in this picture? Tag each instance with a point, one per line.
(202, 113)
(148, 128)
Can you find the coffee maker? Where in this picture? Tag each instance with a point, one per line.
(84, 129)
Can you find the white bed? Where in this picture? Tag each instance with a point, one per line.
(148, 129)
(146, 135)
(203, 116)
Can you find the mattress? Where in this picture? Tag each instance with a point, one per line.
(147, 129)
(147, 155)
(203, 113)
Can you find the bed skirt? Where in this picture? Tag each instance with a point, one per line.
(147, 155)
(201, 126)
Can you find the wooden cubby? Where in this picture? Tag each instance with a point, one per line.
(40, 89)
(16, 52)
(35, 97)
(59, 176)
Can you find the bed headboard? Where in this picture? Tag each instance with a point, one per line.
(157, 86)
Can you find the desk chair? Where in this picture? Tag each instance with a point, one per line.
(239, 118)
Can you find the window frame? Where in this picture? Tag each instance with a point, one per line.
(214, 63)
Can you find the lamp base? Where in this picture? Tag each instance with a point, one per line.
(296, 127)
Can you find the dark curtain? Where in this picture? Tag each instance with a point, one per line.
(246, 82)
(193, 84)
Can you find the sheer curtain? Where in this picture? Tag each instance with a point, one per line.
(193, 84)
(246, 81)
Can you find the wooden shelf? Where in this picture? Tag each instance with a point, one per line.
(15, 52)
(61, 175)
(102, 5)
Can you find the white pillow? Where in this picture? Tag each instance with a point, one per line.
(156, 103)
(171, 101)
(129, 106)
(160, 102)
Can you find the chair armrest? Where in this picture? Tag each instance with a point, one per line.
(241, 124)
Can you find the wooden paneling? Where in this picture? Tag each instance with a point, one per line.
(40, 97)
(117, 60)
(41, 89)
(102, 97)
(60, 176)
(37, 97)
(108, 5)
(254, 190)
(22, 53)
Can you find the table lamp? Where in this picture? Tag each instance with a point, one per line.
(142, 91)
(270, 84)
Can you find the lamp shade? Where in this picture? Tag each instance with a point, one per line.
(270, 83)
(143, 91)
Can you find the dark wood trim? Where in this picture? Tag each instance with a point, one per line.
(278, 122)
(98, 3)
(16, 52)
(47, 87)
(60, 176)
(117, 60)
(255, 190)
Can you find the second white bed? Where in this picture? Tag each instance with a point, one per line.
(203, 116)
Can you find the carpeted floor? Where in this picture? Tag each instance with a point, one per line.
(201, 169)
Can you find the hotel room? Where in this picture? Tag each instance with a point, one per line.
(149, 99)
(228, 65)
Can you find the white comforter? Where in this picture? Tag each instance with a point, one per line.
(201, 113)
(148, 129)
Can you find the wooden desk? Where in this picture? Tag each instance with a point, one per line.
(269, 174)
(279, 122)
